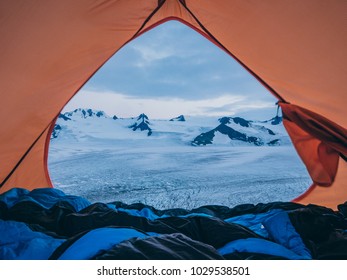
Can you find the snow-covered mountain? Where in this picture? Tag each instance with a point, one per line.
(109, 158)
(142, 124)
(84, 113)
(239, 129)
(81, 124)
(180, 118)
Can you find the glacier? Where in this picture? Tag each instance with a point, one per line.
(102, 159)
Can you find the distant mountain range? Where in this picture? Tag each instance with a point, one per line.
(83, 113)
(198, 131)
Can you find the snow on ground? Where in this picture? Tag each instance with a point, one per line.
(103, 160)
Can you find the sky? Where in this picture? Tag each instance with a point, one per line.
(173, 70)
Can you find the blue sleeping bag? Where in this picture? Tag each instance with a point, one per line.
(284, 240)
(19, 242)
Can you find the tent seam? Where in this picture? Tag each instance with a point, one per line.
(23, 157)
(266, 85)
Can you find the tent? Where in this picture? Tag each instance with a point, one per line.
(296, 49)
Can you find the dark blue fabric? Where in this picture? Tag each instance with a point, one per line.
(281, 231)
(254, 221)
(257, 245)
(145, 212)
(149, 214)
(286, 243)
(45, 197)
(19, 242)
(12, 196)
(97, 240)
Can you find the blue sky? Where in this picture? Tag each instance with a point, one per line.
(173, 70)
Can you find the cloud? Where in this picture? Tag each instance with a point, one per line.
(173, 67)
(169, 40)
(238, 105)
(149, 54)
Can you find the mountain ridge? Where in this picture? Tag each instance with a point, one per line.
(191, 130)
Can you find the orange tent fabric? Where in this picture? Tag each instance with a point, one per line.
(318, 141)
(49, 49)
